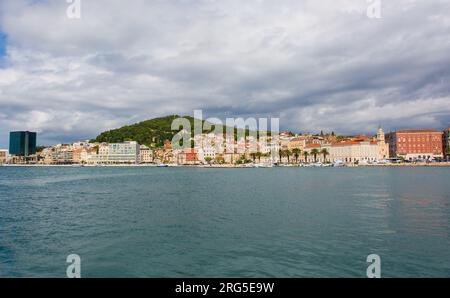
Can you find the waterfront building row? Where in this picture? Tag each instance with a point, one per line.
(223, 148)
(360, 149)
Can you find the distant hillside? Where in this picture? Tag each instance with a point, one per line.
(152, 132)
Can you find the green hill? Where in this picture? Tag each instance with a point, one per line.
(152, 132)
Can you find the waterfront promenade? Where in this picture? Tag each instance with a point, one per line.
(245, 166)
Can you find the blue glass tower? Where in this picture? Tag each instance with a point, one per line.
(22, 143)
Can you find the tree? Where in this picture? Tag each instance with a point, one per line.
(315, 152)
(259, 155)
(306, 154)
(288, 154)
(208, 160)
(280, 154)
(253, 156)
(296, 153)
(325, 153)
(220, 160)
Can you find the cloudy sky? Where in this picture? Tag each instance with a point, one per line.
(318, 65)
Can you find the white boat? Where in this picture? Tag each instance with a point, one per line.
(262, 165)
(162, 165)
(338, 163)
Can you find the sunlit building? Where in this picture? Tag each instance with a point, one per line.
(359, 150)
(117, 153)
(145, 154)
(3, 156)
(416, 144)
(447, 142)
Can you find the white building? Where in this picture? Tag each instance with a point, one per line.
(117, 153)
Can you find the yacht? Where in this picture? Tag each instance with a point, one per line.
(338, 163)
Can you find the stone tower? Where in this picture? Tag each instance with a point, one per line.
(380, 136)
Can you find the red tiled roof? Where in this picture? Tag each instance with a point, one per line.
(313, 146)
(361, 137)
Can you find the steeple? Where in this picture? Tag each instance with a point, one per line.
(380, 135)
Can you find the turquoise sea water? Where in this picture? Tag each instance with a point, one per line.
(188, 222)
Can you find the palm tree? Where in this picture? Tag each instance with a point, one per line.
(297, 153)
(306, 154)
(208, 160)
(315, 152)
(259, 155)
(288, 154)
(324, 152)
(280, 154)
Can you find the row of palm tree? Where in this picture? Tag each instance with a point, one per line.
(297, 152)
(258, 155)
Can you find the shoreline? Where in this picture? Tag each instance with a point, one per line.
(399, 165)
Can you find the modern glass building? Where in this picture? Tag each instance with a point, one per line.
(22, 143)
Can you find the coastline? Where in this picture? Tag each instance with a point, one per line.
(397, 165)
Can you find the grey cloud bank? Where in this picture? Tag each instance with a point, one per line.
(318, 65)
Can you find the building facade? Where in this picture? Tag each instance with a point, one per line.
(447, 143)
(22, 143)
(361, 149)
(412, 145)
(118, 153)
(145, 154)
(188, 156)
(3, 156)
(59, 154)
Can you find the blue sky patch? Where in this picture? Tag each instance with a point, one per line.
(2, 44)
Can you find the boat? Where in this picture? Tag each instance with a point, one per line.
(338, 163)
(162, 165)
(264, 165)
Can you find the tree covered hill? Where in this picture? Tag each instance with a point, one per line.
(152, 132)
